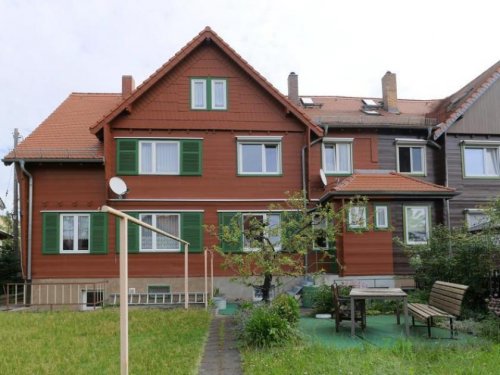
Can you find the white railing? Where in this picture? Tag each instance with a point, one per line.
(159, 298)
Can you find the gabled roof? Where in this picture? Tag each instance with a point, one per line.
(454, 106)
(388, 183)
(64, 135)
(206, 35)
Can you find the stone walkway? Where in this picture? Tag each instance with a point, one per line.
(221, 356)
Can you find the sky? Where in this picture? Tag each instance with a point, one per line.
(50, 48)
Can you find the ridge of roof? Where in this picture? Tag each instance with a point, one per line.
(206, 34)
(471, 92)
(365, 97)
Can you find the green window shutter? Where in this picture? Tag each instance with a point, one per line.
(225, 219)
(192, 231)
(127, 157)
(50, 229)
(191, 157)
(133, 234)
(98, 233)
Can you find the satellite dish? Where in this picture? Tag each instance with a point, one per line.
(323, 177)
(118, 186)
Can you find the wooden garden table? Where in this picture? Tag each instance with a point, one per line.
(379, 293)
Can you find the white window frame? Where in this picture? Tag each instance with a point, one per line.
(353, 225)
(406, 226)
(320, 225)
(194, 81)
(479, 145)
(154, 143)
(412, 143)
(75, 234)
(263, 142)
(264, 215)
(337, 141)
(155, 235)
(224, 93)
(385, 210)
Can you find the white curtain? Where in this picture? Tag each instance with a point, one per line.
(83, 233)
(218, 94)
(492, 166)
(199, 94)
(344, 157)
(167, 157)
(330, 158)
(169, 224)
(146, 234)
(146, 157)
(68, 232)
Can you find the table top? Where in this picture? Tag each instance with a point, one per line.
(377, 292)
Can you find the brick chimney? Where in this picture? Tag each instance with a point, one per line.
(390, 92)
(128, 85)
(293, 88)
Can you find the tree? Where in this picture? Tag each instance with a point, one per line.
(275, 242)
(9, 261)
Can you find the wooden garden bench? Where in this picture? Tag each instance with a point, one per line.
(445, 301)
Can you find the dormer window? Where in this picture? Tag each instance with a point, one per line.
(209, 94)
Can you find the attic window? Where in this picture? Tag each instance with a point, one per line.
(370, 103)
(309, 103)
(370, 107)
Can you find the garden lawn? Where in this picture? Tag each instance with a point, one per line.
(403, 358)
(160, 342)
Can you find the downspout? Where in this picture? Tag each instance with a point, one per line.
(30, 217)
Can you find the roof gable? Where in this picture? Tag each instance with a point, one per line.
(453, 107)
(205, 36)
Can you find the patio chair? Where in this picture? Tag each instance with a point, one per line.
(342, 309)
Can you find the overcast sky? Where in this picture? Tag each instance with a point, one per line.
(50, 48)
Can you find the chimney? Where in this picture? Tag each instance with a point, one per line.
(128, 85)
(293, 88)
(390, 92)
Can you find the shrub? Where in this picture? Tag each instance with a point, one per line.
(287, 308)
(490, 328)
(265, 328)
(323, 300)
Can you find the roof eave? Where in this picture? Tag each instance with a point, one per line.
(406, 194)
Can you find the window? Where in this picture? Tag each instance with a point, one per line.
(476, 219)
(92, 299)
(337, 155)
(208, 93)
(75, 233)
(319, 225)
(481, 160)
(159, 157)
(411, 159)
(152, 241)
(257, 226)
(416, 222)
(381, 217)
(357, 217)
(259, 156)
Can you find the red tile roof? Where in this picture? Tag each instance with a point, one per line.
(387, 183)
(65, 134)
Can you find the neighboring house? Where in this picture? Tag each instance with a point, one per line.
(207, 137)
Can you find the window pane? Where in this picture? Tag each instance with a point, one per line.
(416, 224)
(271, 158)
(219, 94)
(169, 224)
(146, 157)
(199, 94)
(146, 234)
(474, 162)
(491, 162)
(251, 158)
(274, 235)
(404, 159)
(167, 157)
(357, 217)
(83, 232)
(252, 228)
(68, 233)
(381, 217)
(416, 155)
(344, 152)
(330, 158)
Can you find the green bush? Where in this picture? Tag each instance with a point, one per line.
(287, 307)
(323, 300)
(264, 328)
(490, 328)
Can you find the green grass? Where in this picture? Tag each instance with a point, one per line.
(404, 358)
(160, 342)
